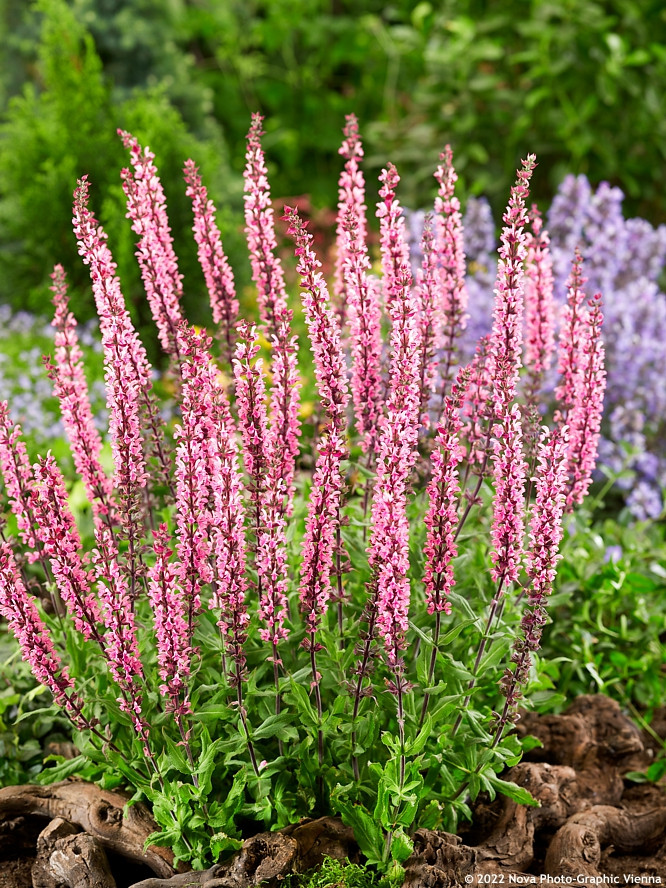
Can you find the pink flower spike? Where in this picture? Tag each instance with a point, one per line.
(57, 531)
(539, 309)
(328, 483)
(19, 480)
(252, 417)
(259, 228)
(572, 327)
(37, 649)
(584, 418)
(506, 336)
(71, 389)
(268, 276)
(426, 289)
(443, 493)
(212, 258)
(394, 248)
(351, 212)
(174, 651)
(146, 208)
(542, 557)
(451, 260)
(509, 472)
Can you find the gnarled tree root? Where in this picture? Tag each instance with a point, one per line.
(98, 812)
(576, 847)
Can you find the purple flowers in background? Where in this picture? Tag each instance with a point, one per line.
(623, 259)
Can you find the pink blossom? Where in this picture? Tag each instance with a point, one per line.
(174, 651)
(478, 404)
(37, 649)
(146, 208)
(71, 389)
(212, 258)
(509, 472)
(333, 387)
(506, 336)
(542, 557)
(252, 416)
(120, 645)
(394, 248)
(426, 290)
(572, 326)
(443, 492)
(351, 212)
(57, 531)
(193, 486)
(271, 562)
(451, 260)
(388, 551)
(539, 310)
(365, 334)
(584, 417)
(19, 480)
(268, 276)
(127, 372)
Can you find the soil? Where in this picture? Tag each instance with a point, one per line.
(592, 827)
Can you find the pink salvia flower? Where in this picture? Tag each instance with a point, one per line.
(71, 389)
(365, 335)
(267, 270)
(539, 311)
(426, 290)
(451, 259)
(394, 248)
(388, 551)
(217, 272)
(226, 516)
(584, 417)
(271, 561)
(542, 557)
(572, 327)
(193, 490)
(252, 417)
(146, 208)
(506, 336)
(120, 645)
(174, 651)
(128, 372)
(19, 480)
(333, 387)
(509, 473)
(443, 491)
(268, 276)
(37, 649)
(478, 406)
(351, 210)
(57, 531)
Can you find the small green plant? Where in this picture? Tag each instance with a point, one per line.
(338, 874)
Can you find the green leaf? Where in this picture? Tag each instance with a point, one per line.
(63, 770)
(282, 724)
(366, 830)
(401, 846)
(513, 791)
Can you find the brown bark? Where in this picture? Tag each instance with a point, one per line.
(98, 812)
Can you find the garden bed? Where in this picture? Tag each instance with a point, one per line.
(592, 822)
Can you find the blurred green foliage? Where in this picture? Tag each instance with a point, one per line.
(580, 82)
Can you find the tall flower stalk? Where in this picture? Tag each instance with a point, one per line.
(539, 306)
(328, 482)
(217, 271)
(451, 260)
(351, 214)
(146, 208)
(275, 315)
(71, 389)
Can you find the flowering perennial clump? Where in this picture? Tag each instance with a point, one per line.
(227, 611)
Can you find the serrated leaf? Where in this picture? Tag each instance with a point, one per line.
(282, 724)
(513, 791)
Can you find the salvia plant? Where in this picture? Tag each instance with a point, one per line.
(252, 634)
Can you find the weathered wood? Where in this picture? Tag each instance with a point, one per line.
(80, 862)
(98, 812)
